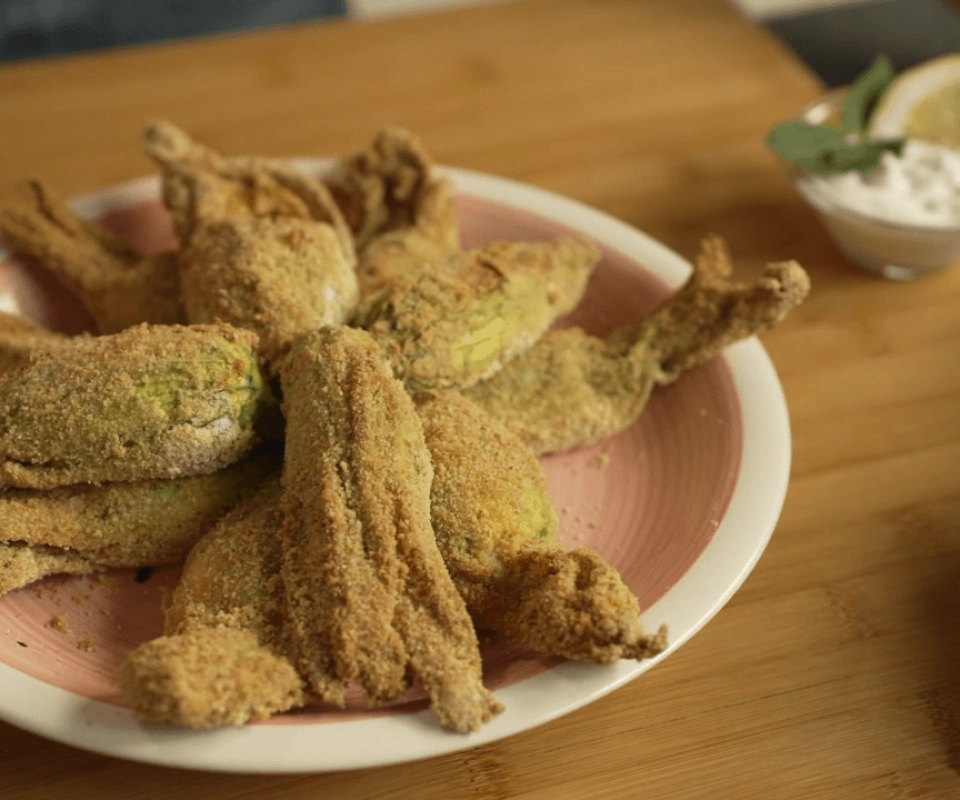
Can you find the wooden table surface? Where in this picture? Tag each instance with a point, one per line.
(835, 671)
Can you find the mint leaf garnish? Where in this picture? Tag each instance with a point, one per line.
(864, 93)
(823, 150)
(829, 149)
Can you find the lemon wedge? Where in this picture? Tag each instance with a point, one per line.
(923, 102)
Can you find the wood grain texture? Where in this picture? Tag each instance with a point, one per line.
(835, 670)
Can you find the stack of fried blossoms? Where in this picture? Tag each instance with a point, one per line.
(331, 414)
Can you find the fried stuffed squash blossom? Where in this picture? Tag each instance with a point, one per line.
(161, 401)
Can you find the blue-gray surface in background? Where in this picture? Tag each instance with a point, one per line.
(840, 43)
(39, 28)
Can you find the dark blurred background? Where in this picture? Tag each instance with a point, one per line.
(837, 39)
(840, 40)
(41, 28)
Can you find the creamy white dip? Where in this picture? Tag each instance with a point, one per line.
(919, 187)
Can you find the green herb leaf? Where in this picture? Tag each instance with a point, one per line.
(864, 94)
(826, 149)
(803, 144)
(823, 150)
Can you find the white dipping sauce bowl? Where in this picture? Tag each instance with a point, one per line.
(896, 250)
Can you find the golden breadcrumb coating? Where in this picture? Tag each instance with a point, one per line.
(222, 659)
(232, 575)
(572, 388)
(263, 246)
(401, 212)
(447, 326)
(279, 278)
(124, 524)
(119, 286)
(22, 564)
(149, 402)
(496, 528)
(370, 598)
(201, 186)
(208, 678)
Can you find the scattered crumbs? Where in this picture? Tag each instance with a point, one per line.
(58, 624)
(703, 412)
(86, 643)
(600, 460)
(36, 589)
(593, 525)
(143, 574)
(79, 599)
(102, 579)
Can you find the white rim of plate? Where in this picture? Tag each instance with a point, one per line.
(721, 569)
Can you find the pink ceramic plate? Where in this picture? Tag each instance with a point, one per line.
(683, 504)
